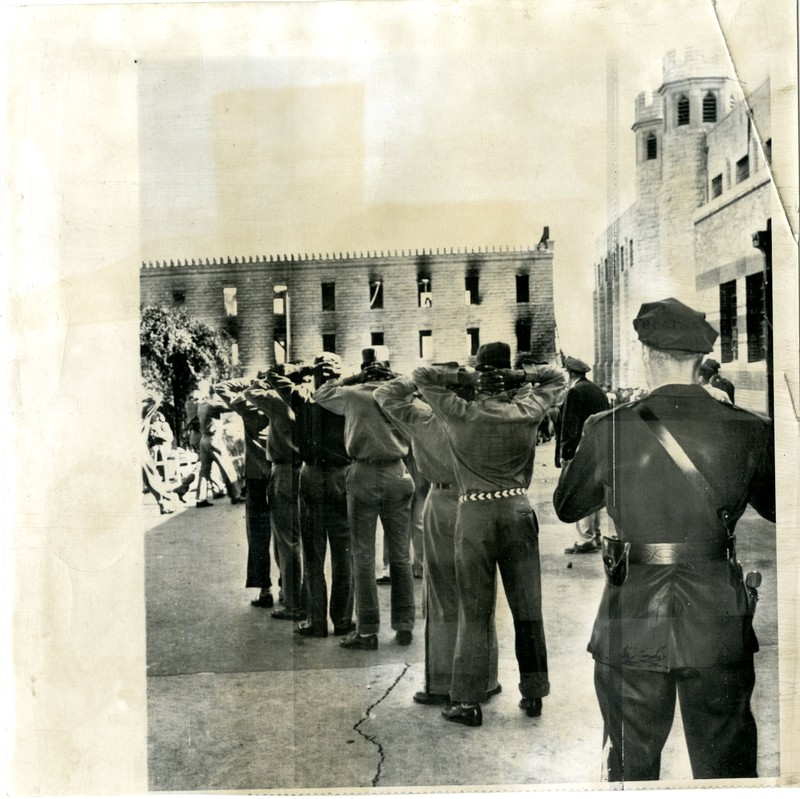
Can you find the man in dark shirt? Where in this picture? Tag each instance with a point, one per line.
(322, 495)
(583, 399)
(709, 376)
(492, 441)
(675, 470)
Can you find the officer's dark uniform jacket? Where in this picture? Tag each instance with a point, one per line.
(689, 614)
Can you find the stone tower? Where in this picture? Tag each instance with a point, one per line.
(690, 101)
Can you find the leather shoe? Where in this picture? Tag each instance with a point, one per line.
(308, 630)
(424, 698)
(288, 615)
(531, 705)
(384, 579)
(470, 715)
(582, 549)
(344, 629)
(264, 601)
(494, 691)
(404, 637)
(204, 504)
(356, 641)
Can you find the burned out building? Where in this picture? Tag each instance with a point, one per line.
(425, 306)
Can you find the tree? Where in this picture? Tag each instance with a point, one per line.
(177, 352)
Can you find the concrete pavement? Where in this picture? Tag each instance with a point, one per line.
(236, 701)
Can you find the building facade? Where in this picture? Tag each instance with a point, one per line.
(424, 306)
(703, 189)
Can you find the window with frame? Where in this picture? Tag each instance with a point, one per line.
(471, 290)
(709, 107)
(375, 294)
(473, 340)
(329, 297)
(329, 342)
(424, 291)
(523, 332)
(683, 110)
(229, 300)
(651, 147)
(728, 325)
(426, 345)
(523, 288)
(756, 320)
(743, 169)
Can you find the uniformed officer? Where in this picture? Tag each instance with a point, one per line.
(675, 471)
(582, 400)
(492, 441)
(711, 379)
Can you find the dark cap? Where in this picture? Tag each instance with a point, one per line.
(373, 355)
(496, 354)
(709, 367)
(576, 365)
(671, 325)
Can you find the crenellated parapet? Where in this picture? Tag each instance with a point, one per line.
(360, 255)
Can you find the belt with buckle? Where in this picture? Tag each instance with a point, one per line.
(489, 496)
(679, 552)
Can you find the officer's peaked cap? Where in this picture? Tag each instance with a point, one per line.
(671, 325)
(496, 354)
(576, 365)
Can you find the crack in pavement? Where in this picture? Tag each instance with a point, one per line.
(372, 738)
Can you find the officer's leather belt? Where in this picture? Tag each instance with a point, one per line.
(682, 552)
(488, 496)
(442, 486)
(375, 462)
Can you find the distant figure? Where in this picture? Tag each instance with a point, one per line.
(583, 399)
(709, 375)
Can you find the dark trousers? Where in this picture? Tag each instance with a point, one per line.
(282, 495)
(373, 490)
(501, 533)
(638, 708)
(323, 521)
(259, 533)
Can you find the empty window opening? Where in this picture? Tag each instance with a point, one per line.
(280, 300)
(651, 147)
(709, 107)
(426, 344)
(329, 342)
(743, 169)
(376, 339)
(716, 186)
(424, 293)
(523, 330)
(376, 294)
(523, 288)
(473, 340)
(630, 252)
(728, 327)
(756, 318)
(328, 296)
(622, 259)
(471, 294)
(683, 110)
(179, 296)
(768, 150)
(229, 299)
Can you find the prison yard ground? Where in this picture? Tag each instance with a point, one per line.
(237, 701)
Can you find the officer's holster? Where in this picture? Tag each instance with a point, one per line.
(615, 559)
